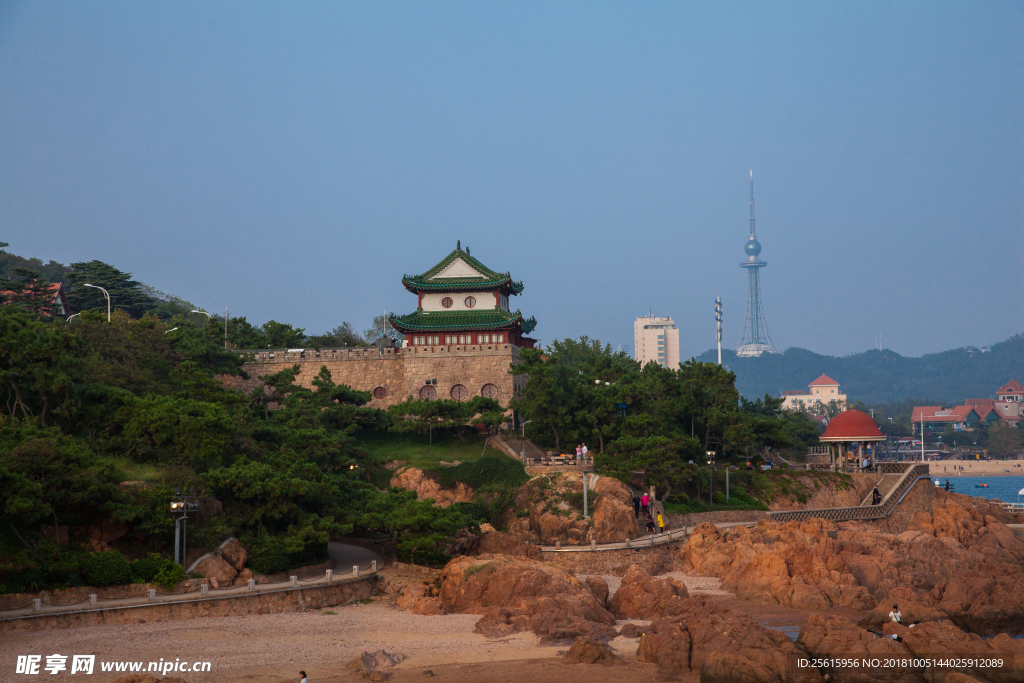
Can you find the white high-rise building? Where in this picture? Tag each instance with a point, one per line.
(656, 339)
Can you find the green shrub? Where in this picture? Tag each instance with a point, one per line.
(719, 497)
(169, 575)
(491, 470)
(108, 568)
(267, 555)
(145, 569)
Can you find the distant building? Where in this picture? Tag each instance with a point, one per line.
(821, 391)
(52, 292)
(656, 339)
(1011, 391)
(1007, 407)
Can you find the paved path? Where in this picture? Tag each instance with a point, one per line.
(344, 556)
(670, 536)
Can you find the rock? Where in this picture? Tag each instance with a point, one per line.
(213, 582)
(586, 650)
(416, 597)
(641, 597)
(827, 636)
(369, 663)
(631, 631)
(380, 676)
(553, 517)
(613, 519)
(427, 672)
(101, 535)
(599, 587)
(518, 594)
(234, 553)
(497, 543)
(464, 542)
(242, 577)
(216, 568)
(721, 646)
(415, 479)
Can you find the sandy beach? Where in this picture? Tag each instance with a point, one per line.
(977, 468)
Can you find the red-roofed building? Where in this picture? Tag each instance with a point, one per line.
(1011, 391)
(59, 301)
(821, 391)
(852, 427)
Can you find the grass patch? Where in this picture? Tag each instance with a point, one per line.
(327, 611)
(416, 450)
(494, 470)
(126, 470)
(476, 569)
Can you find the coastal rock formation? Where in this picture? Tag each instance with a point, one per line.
(555, 511)
(599, 587)
(370, 663)
(235, 554)
(641, 597)
(418, 598)
(613, 519)
(586, 650)
(721, 646)
(516, 594)
(415, 479)
(824, 636)
(814, 493)
(958, 561)
(495, 542)
(216, 569)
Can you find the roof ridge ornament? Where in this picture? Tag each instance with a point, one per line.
(458, 245)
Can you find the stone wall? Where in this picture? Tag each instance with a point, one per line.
(401, 372)
(268, 602)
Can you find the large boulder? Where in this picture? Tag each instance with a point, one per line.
(369, 663)
(415, 479)
(613, 519)
(418, 598)
(554, 512)
(642, 597)
(721, 646)
(586, 650)
(599, 587)
(495, 542)
(217, 569)
(518, 594)
(234, 553)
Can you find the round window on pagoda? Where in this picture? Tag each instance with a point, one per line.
(459, 392)
(380, 393)
(489, 391)
(470, 301)
(447, 302)
(428, 393)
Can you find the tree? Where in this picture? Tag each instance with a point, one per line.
(1004, 439)
(421, 416)
(342, 335)
(38, 363)
(381, 328)
(28, 290)
(281, 335)
(125, 293)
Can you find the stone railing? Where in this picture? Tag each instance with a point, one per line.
(884, 509)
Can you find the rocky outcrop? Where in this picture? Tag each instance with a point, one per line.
(370, 663)
(641, 597)
(242, 577)
(419, 598)
(825, 636)
(586, 650)
(216, 569)
(234, 553)
(495, 542)
(599, 587)
(106, 532)
(721, 646)
(817, 491)
(957, 561)
(613, 519)
(415, 479)
(516, 594)
(554, 507)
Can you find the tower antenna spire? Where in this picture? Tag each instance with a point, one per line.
(755, 340)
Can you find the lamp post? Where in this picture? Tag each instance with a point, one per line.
(524, 439)
(73, 315)
(106, 294)
(184, 503)
(170, 330)
(203, 312)
(711, 477)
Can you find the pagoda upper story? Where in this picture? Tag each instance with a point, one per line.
(463, 302)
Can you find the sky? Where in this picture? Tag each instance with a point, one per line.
(291, 161)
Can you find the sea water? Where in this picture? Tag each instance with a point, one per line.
(1003, 488)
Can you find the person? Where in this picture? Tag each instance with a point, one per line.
(636, 507)
(661, 524)
(876, 497)
(947, 484)
(650, 523)
(644, 502)
(584, 450)
(894, 615)
(579, 452)
(302, 677)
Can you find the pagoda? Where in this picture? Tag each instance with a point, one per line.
(463, 302)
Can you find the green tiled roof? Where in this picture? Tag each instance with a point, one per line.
(490, 319)
(491, 279)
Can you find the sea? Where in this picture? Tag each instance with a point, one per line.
(1003, 488)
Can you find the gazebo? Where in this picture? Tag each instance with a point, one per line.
(850, 426)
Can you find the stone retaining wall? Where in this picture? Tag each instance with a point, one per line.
(266, 602)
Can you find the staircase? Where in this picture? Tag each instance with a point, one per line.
(884, 484)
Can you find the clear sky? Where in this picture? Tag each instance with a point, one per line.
(292, 160)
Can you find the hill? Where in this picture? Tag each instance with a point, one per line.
(883, 376)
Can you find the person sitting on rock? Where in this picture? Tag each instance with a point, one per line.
(876, 497)
(894, 615)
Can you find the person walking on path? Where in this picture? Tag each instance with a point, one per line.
(636, 507)
(661, 524)
(644, 502)
(876, 497)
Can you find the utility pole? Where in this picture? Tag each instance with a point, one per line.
(225, 327)
(718, 319)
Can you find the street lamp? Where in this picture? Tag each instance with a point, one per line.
(170, 330)
(711, 477)
(73, 315)
(203, 312)
(106, 294)
(184, 504)
(524, 439)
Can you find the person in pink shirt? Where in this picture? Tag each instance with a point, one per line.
(644, 502)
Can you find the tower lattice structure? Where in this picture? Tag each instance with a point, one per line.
(755, 340)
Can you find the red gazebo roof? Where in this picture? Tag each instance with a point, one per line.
(852, 425)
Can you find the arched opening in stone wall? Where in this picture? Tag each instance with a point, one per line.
(489, 391)
(380, 393)
(459, 392)
(428, 393)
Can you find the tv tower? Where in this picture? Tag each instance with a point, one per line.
(755, 340)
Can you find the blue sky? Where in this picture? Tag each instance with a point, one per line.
(292, 160)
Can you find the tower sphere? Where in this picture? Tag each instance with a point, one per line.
(752, 247)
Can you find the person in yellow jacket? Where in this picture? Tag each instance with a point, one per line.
(661, 524)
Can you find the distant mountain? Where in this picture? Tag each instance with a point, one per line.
(882, 376)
